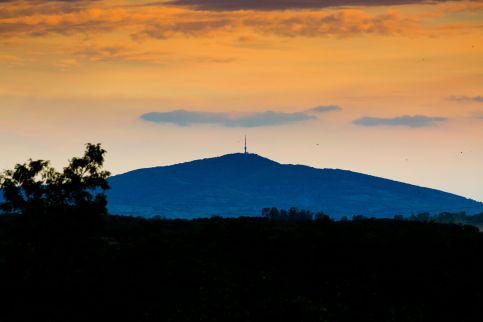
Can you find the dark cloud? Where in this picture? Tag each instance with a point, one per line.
(15, 22)
(187, 118)
(414, 121)
(222, 5)
(325, 108)
(467, 98)
(15, 9)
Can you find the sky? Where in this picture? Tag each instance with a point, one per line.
(392, 88)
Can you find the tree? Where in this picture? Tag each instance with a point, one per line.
(422, 217)
(358, 217)
(322, 217)
(271, 213)
(35, 188)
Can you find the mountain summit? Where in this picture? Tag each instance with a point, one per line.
(242, 184)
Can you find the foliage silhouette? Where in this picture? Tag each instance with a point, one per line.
(295, 214)
(460, 218)
(243, 269)
(36, 188)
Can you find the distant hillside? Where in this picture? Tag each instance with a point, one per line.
(242, 184)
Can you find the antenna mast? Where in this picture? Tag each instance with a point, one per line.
(245, 144)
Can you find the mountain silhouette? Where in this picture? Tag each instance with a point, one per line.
(242, 184)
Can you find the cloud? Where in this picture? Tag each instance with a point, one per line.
(415, 121)
(478, 98)
(187, 118)
(132, 54)
(92, 19)
(15, 8)
(40, 19)
(342, 23)
(205, 27)
(325, 108)
(226, 5)
(117, 53)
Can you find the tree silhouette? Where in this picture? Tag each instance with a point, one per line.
(35, 188)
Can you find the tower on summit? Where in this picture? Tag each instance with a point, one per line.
(245, 144)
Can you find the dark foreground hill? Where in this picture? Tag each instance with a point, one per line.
(243, 184)
(236, 270)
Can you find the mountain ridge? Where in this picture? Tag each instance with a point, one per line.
(241, 184)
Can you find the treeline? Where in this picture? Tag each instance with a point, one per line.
(296, 214)
(446, 218)
(240, 269)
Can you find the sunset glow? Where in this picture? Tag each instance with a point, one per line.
(389, 87)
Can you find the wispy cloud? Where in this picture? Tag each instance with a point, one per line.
(157, 20)
(42, 18)
(31, 8)
(121, 53)
(478, 98)
(187, 118)
(342, 23)
(414, 121)
(325, 108)
(133, 54)
(223, 5)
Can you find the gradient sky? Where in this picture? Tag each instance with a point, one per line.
(392, 88)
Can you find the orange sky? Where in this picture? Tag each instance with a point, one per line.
(408, 81)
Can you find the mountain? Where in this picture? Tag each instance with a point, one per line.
(242, 184)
